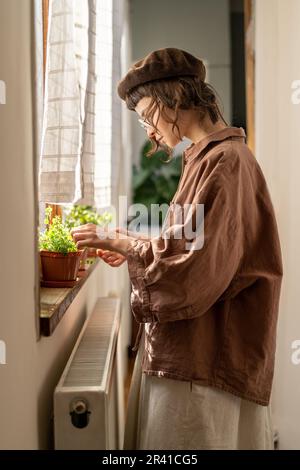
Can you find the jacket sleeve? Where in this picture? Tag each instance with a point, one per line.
(181, 278)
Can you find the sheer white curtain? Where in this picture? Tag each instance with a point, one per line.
(80, 157)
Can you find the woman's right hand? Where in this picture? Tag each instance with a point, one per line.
(113, 258)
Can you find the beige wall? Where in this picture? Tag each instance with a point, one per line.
(33, 366)
(278, 151)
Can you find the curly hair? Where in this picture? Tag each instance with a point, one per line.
(181, 93)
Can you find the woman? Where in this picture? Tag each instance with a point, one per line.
(206, 300)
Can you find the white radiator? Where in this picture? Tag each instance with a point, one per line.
(86, 397)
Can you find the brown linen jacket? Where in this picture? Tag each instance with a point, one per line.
(210, 314)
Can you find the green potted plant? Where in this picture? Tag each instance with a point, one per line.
(58, 252)
(80, 215)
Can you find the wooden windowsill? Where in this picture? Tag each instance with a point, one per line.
(54, 301)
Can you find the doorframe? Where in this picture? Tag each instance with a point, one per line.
(249, 11)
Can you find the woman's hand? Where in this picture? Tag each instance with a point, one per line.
(112, 258)
(94, 236)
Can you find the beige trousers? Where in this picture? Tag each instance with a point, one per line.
(167, 414)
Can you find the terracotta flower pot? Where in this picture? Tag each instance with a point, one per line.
(59, 266)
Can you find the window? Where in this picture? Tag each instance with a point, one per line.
(79, 162)
(76, 161)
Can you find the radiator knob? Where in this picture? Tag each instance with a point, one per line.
(79, 413)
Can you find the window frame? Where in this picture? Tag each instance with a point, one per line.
(50, 314)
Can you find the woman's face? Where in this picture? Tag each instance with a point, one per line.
(165, 133)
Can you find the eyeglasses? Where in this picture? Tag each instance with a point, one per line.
(144, 124)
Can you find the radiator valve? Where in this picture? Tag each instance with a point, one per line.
(79, 413)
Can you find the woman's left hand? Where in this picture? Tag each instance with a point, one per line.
(95, 236)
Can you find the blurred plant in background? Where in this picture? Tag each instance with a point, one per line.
(155, 182)
(80, 215)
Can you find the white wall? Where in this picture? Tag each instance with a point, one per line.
(200, 27)
(278, 151)
(33, 366)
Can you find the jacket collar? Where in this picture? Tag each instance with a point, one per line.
(196, 148)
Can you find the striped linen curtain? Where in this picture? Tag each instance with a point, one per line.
(76, 160)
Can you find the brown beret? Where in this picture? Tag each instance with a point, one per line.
(163, 63)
